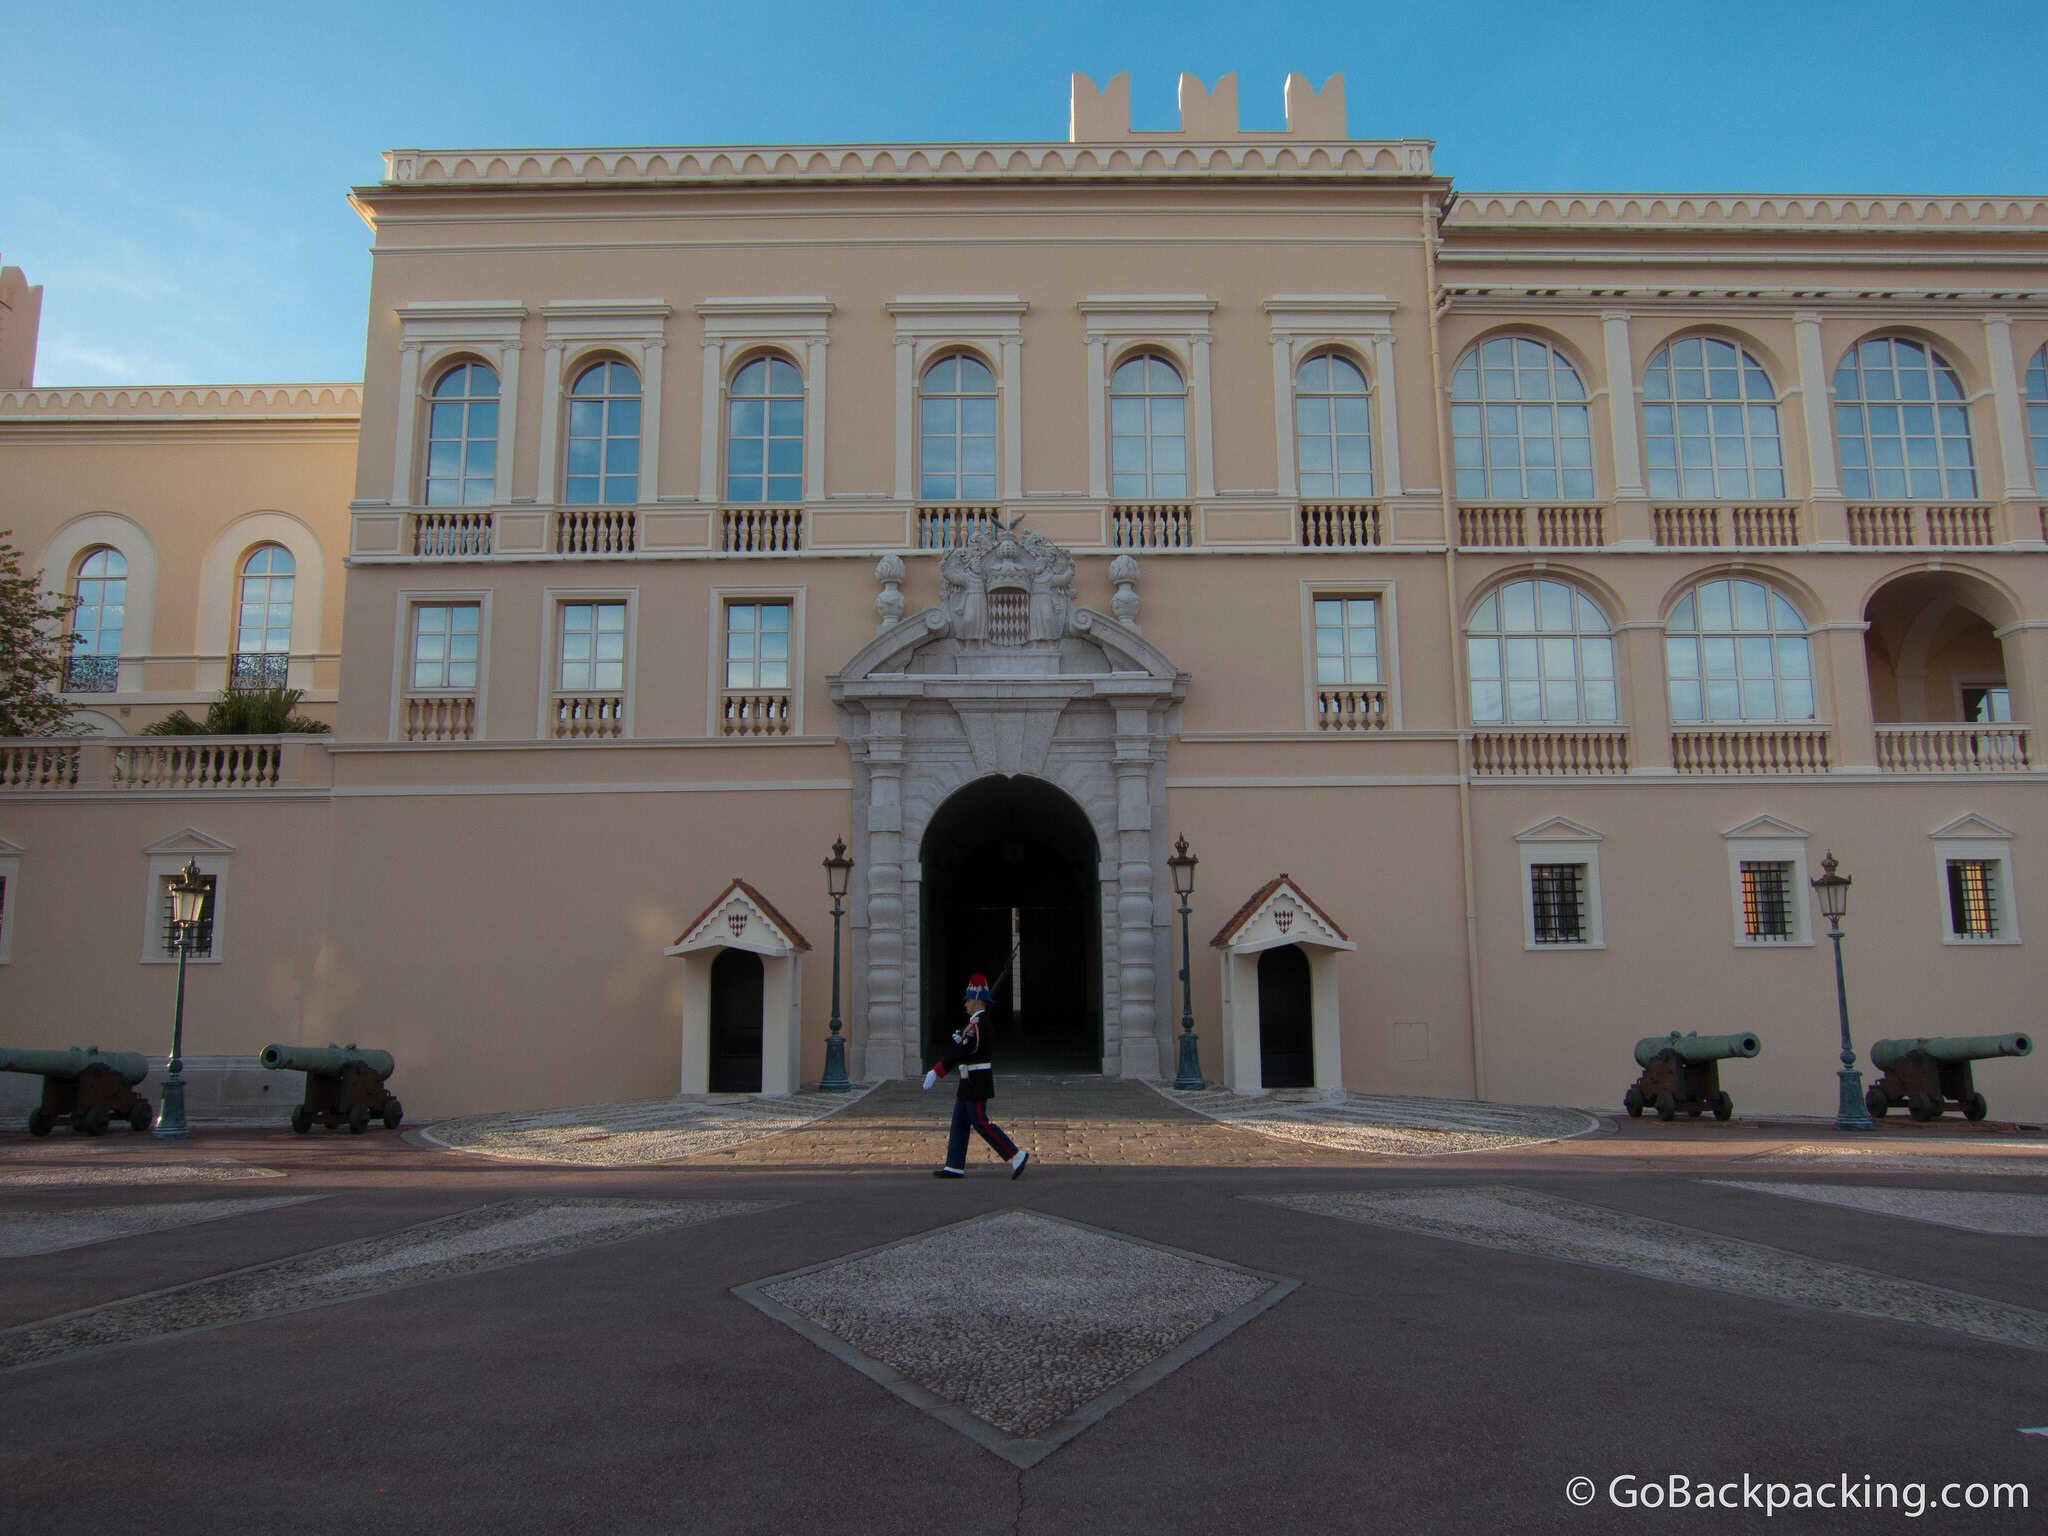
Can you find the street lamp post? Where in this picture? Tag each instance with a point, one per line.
(1833, 891)
(1189, 1077)
(838, 874)
(188, 902)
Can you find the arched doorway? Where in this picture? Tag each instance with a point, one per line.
(1287, 1056)
(1009, 867)
(736, 998)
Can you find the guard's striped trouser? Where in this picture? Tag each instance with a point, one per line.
(972, 1114)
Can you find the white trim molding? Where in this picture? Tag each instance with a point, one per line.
(580, 330)
(220, 596)
(1178, 323)
(1361, 323)
(10, 895)
(799, 325)
(928, 324)
(166, 857)
(1562, 841)
(1978, 840)
(1767, 840)
(138, 628)
(430, 335)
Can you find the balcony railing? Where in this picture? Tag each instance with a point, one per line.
(258, 671)
(588, 716)
(1556, 525)
(1908, 525)
(1351, 709)
(596, 531)
(451, 535)
(761, 530)
(39, 765)
(1715, 525)
(204, 765)
(951, 526)
(91, 674)
(1751, 749)
(1340, 525)
(755, 714)
(1151, 525)
(208, 765)
(1559, 753)
(1953, 748)
(440, 717)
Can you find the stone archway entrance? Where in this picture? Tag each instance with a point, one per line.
(1009, 680)
(1009, 872)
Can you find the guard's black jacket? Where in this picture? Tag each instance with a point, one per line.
(968, 1054)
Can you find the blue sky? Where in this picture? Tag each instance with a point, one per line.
(175, 174)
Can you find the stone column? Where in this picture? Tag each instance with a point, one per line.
(885, 1043)
(1389, 415)
(650, 422)
(2020, 496)
(1138, 1021)
(1854, 748)
(1828, 522)
(709, 456)
(1631, 496)
(1204, 422)
(1011, 450)
(906, 412)
(508, 419)
(1646, 704)
(551, 420)
(814, 419)
(1286, 481)
(1098, 404)
(408, 424)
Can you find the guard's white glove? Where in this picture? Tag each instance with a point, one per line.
(930, 1078)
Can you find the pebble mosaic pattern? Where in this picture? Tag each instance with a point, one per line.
(1399, 1126)
(25, 1233)
(1524, 1221)
(490, 1237)
(1967, 1210)
(18, 1172)
(1966, 1157)
(647, 1131)
(1018, 1328)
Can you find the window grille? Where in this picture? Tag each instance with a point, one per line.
(1973, 898)
(1767, 902)
(1558, 903)
(202, 931)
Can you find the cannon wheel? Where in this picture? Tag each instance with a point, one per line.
(140, 1118)
(1923, 1106)
(1632, 1101)
(358, 1120)
(39, 1121)
(1724, 1107)
(93, 1122)
(302, 1119)
(1667, 1106)
(1877, 1101)
(393, 1113)
(1975, 1108)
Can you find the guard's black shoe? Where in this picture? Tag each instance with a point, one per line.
(1017, 1168)
(952, 1173)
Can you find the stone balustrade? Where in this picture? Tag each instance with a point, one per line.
(596, 531)
(761, 530)
(1549, 752)
(1750, 749)
(451, 535)
(1718, 525)
(440, 717)
(951, 526)
(1921, 748)
(1340, 525)
(755, 714)
(1909, 525)
(1351, 709)
(165, 764)
(1151, 525)
(587, 716)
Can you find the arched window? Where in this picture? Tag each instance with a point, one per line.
(2037, 418)
(1902, 424)
(1332, 435)
(1148, 427)
(263, 626)
(604, 437)
(764, 433)
(1710, 424)
(1541, 653)
(956, 431)
(462, 438)
(1519, 426)
(101, 587)
(1736, 650)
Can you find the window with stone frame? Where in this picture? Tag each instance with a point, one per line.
(1902, 424)
(199, 944)
(1768, 916)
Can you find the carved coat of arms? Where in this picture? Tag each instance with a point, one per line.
(1008, 586)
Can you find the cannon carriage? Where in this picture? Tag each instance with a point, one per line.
(344, 1086)
(1682, 1073)
(1930, 1074)
(88, 1089)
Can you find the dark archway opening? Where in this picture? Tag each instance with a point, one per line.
(1010, 867)
(736, 1022)
(1287, 1053)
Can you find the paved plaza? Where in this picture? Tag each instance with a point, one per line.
(1193, 1313)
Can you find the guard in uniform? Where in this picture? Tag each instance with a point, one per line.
(969, 1056)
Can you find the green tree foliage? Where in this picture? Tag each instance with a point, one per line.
(33, 644)
(261, 712)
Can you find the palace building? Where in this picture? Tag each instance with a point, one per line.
(1511, 598)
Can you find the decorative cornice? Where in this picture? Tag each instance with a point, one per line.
(210, 402)
(1724, 211)
(1389, 159)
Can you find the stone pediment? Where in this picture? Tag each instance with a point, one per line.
(1280, 912)
(188, 841)
(740, 918)
(1971, 825)
(1766, 826)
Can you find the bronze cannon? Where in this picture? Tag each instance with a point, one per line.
(90, 1088)
(1683, 1072)
(344, 1085)
(1929, 1073)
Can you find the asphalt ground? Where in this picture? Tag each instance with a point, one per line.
(1405, 1381)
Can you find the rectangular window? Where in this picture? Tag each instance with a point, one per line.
(1767, 913)
(593, 648)
(757, 645)
(1987, 706)
(1557, 901)
(445, 641)
(201, 940)
(1973, 898)
(1347, 640)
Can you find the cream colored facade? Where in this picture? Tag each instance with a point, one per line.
(488, 875)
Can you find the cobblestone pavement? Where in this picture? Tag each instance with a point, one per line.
(1384, 1123)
